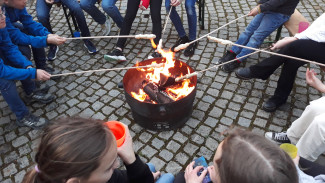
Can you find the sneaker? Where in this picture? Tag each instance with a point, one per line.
(278, 138)
(106, 27)
(90, 46)
(155, 55)
(32, 121)
(115, 55)
(189, 51)
(52, 72)
(181, 40)
(244, 73)
(231, 66)
(228, 56)
(41, 97)
(273, 103)
(53, 50)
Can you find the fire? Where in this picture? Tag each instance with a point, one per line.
(175, 91)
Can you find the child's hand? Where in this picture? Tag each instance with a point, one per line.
(191, 174)
(175, 2)
(49, 1)
(126, 151)
(281, 43)
(42, 75)
(254, 11)
(313, 81)
(212, 173)
(55, 39)
(156, 175)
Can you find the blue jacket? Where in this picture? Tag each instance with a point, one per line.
(38, 33)
(16, 59)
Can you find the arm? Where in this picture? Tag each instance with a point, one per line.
(11, 73)
(12, 52)
(271, 5)
(21, 38)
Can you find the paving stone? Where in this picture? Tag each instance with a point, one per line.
(157, 162)
(173, 146)
(10, 136)
(19, 176)
(148, 151)
(9, 170)
(10, 157)
(157, 143)
(166, 155)
(20, 141)
(23, 162)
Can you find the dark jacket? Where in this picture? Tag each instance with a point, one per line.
(286, 7)
(15, 59)
(137, 172)
(38, 33)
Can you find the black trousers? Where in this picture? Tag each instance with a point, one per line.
(131, 12)
(306, 49)
(311, 168)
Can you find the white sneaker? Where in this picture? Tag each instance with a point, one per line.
(106, 27)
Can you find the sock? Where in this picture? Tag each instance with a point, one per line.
(232, 51)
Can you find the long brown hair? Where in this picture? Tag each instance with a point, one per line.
(70, 147)
(250, 158)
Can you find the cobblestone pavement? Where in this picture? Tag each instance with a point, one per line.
(222, 100)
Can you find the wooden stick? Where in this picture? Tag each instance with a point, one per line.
(183, 46)
(138, 36)
(227, 42)
(111, 69)
(215, 66)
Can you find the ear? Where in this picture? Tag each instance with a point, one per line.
(73, 180)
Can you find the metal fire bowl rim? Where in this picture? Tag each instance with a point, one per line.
(158, 60)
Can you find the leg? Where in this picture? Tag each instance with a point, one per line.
(165, 178)
(43, 14)
(76, 10)
(10, 94)
(180, 178)
(93, 11)
(299, 126)
(131, 12)
(192, 18)
(155, 11)
(112, 11)
(174, 17)
(245, 36)
(39, 57)
(312, 142)
(269, 23)
(306, 49)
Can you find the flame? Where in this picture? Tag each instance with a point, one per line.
(153, 44)
(141, 96)
(175, 92)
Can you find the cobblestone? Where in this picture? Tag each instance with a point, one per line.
(222, 100)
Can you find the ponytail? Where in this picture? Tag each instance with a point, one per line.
(30, 176)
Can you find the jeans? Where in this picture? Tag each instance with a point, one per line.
(38, 53)
(43, 15)
(9, 92)
(191, 16)
(303, 48)
(259, 28)
(165, 178)
(131, 12)
(108, 6)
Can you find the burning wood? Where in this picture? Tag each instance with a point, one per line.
(155, 94)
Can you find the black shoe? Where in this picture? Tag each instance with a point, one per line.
(189, 51)
(273, 103)
(181, 40)
(40, 97)
(32, 121)
(42, 88)
(53, 50)
(228, 56)
(90, 46)
(231, 66)
(155, 55)
(244, 73)
(115, 55)
(52, 72)
(278, 138)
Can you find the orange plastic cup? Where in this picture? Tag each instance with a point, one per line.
(291, 149)
(118, 131)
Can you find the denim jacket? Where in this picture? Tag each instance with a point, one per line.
(38, 33)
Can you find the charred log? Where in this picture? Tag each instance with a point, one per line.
(155, 94)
